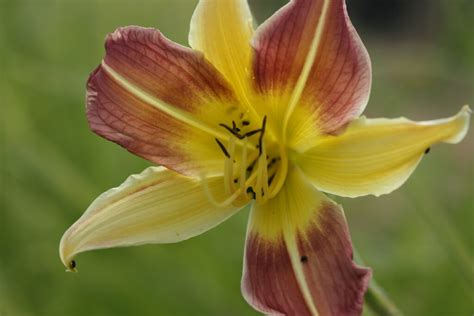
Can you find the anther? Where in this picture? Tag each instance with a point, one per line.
(235, 131)
(427, 150)
(264, 123)
(252, 133)
(304, 259)
(245, 123)
(272, 162)
(222, 147)
(250, 167)
(270, 180)
(231, 130)
(250, 190)
(234, 127)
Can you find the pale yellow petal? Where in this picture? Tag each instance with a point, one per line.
(222, 30)
(376, 156)
(156, 206)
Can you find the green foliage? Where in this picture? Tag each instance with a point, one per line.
(52, 167)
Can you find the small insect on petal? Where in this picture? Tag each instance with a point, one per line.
(71, 266)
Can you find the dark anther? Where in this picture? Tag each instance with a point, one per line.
(427, 150)
(245, 123)
(304, 259)
(224, 150)
(236, 180)
(273, 161)
(264, 123)
(231, 130)
(250, 190)
(270, 180)
(235, 131)
(250, 167)
(72, 264)
(234, 127)
(255, 131)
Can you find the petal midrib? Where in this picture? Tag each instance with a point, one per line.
(292, 247)
(307, 66)
(161, 105)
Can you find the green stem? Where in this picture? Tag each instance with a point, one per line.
(377, 299)
(379, 302)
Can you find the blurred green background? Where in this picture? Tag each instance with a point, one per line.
(418, 240)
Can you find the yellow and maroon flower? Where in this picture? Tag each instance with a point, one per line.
(268, 118)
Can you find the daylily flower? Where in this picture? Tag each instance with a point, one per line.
(268, 118)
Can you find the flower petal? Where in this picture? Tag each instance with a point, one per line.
(161, 101)
(156, 206)
(309, 57)
(376, 156)
(222, 30)
(298, 256)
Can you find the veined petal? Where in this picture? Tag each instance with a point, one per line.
(222, 30)
(298, 256)
(376, 156)
(159, 100)
(156, 206)
(310, 60)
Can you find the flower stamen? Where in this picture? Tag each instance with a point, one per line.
(222, 147)
(243, 163)
(282, 172)
(251, 179)
(229, 167)
(213, 200)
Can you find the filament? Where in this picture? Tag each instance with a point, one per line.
(250, 174)
(282, 172)
(243, 166)
(265, 172)
(213, 200)
(229, 168)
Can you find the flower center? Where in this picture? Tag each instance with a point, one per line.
(254, 166)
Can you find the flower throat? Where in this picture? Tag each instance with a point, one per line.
(252, 168)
